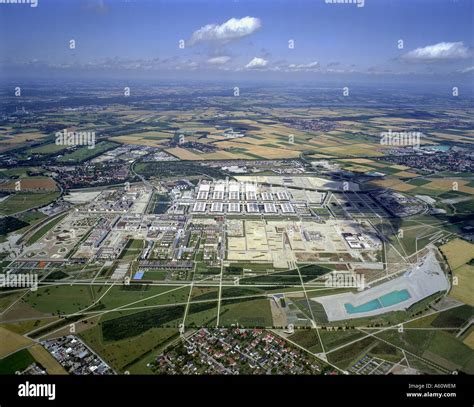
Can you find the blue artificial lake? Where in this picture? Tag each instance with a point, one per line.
(387, 300)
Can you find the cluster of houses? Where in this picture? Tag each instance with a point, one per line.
(236, 351)
(76, 357)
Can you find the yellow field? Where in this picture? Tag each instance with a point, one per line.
(359, 161)
(405, 174)
(322, 141)
(358, 168)
(155, 134)
(44, 358)
(469, 341)
(400, 167)
(447, 185)
(458, 252)
(21, 138)
(451, 137)
(464, 290)
(401, 187)
(138, 141)
(319, 156)
(354, 149)
(394, 184)
(380, 165)
(184, 154)
(263, 151)
(214, 137)
(23, 327)
(11, 342)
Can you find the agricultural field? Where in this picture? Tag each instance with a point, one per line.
(24, 201)
(86, 153)
(459, 255)
(37, 184)
(216, 214)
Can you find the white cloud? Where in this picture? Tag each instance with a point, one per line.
(257, 63)
(438, 52)
(96, 6)
(218, 60)
(304, 67)
(467, 70)
(230, 30)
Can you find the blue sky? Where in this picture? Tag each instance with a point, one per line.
(239, 39)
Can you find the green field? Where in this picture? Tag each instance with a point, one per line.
(23, 201)
(439, 347)
(249, 314)
(308, 339)
(142, 296)
(45, 228)
(132, 249)
(202, 314)
(61, 299)
(129, 354)
(137, 323)
(16, 362)
(347, 356)
(85, 153)
(45, 149)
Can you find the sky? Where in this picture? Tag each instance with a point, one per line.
(425, 40)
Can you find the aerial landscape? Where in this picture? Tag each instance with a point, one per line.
(236, 196)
